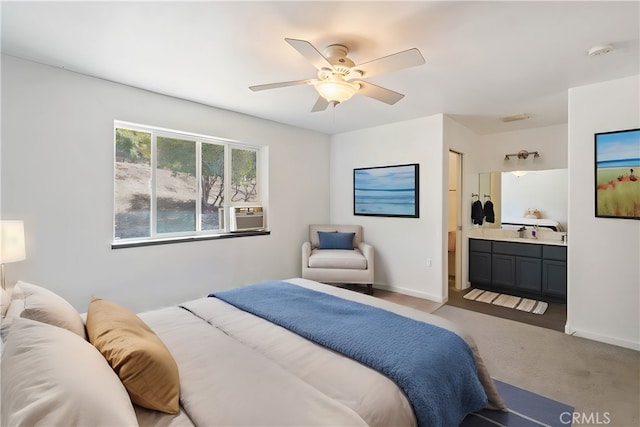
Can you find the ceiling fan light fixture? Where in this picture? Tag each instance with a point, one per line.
(336, 73)
(336, 90)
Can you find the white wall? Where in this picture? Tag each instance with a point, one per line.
(403, 246)
(604, 253)
(549, 141)
(57, 175)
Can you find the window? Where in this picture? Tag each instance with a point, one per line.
(170, 185)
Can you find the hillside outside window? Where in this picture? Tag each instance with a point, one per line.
(171, 184)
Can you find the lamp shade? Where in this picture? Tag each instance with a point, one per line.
(12, 248)
(336, 90)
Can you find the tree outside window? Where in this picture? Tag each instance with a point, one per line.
(172, 184)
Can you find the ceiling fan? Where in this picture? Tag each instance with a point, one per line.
(339, 77)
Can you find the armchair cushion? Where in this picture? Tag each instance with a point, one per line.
(336, 258)
(335, 240)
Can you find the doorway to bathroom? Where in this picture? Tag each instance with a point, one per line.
(555, 316)
(454, 222)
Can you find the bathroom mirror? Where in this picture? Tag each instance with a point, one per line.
(517, 194)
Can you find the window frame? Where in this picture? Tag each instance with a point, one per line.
(154, 237)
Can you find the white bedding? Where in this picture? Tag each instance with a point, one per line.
(238, 369)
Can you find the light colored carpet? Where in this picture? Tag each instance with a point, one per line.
(413, 302)
(591, 376)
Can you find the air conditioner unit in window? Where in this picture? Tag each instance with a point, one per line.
(246, 218)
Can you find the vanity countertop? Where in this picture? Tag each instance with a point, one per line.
(551, 238)
(521, 240)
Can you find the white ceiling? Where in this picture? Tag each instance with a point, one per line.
(484, 60)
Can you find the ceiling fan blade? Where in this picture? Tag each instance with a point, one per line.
(281, 84)
(386, 64)
(377, 92)
(312, 54)
(320, 105)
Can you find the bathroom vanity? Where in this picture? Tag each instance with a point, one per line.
(531, 268)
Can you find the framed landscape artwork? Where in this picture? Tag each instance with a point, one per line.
(386, 191)
(617, 174)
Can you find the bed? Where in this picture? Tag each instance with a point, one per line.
(238, 368)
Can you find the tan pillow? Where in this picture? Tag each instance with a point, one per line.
(134, 351)
(52, 377)
(37, 303)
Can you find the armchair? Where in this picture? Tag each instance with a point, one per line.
(330, 256)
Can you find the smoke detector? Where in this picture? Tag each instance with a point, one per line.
(600, 50)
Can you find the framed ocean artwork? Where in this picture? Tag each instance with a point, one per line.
(387, 191)
(617, 174)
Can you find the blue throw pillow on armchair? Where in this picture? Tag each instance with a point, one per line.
(335, 240)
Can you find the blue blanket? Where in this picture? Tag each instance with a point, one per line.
(434, 366)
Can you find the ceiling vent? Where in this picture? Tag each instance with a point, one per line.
(515, 118)
(600, 50)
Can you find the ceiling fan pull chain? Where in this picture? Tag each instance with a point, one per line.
(333, 112)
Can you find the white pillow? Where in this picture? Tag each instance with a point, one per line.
(51, 376)
(37, 303)
(13, 311)
(5, 300)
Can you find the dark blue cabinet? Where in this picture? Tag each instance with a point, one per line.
(554, 271)
(529, 274)
(525, 269)
(503, 268)
(480, 261)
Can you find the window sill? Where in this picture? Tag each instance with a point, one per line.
(135, 244)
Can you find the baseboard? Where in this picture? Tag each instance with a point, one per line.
(411, 293)
(602, 338)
